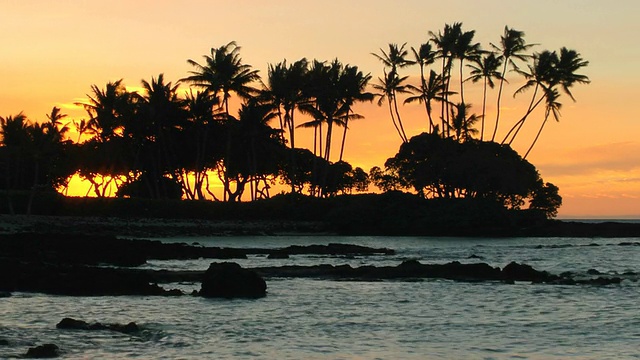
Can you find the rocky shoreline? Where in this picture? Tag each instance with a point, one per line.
(88, 265)
(167, 227)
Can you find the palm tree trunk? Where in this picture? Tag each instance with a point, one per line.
(537, 136)
(515, 129)
(484, 109)
(403, 134)
(344, 135)
(393, 119)
(495, 129)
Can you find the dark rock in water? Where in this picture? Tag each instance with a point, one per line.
(593, 272)
(73, 324)
(230, 280)
(278, 255)
(69, 323)
(43, 351)
(4, 342)
(4, 294)
(523, 272)
(474, 256)
(602, 281)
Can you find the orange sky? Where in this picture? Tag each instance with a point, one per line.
(52, 52)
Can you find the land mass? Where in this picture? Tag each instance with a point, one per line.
(388, 214)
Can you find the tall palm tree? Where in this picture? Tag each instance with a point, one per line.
(465, 49)
(485, 69)
(223, 72)
(424, 57)
(552, 108)
(446, 41)
(392, 84)
(512, 45)
(388, 87)
(352, 85)
(432, 89)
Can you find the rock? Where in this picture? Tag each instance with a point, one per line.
(278, 255)
(230, 280)
(73, 324)
(69, 323)
(43, 351)
(4, 342)
(523, 272)
(474, 256)
(593, 272)
(4, 294)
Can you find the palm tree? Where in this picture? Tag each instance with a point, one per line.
(465, 49)
(108, 109)
(83, 127)
(388, 87)
(392, 84)
(446, 41)
(395, 57)
(223, 72)
(485, 69)
(552, 108)
(462, 122)
(424, 57)
(431, 90)
(352, 85)
(512, 45)
(540, 76)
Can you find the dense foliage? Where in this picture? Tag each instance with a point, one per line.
(164, 143)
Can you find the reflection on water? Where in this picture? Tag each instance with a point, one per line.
(318, 319)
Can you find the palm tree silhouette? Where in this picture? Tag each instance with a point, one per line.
(108, 109)
(392, 83)
(223, 72)
(388, 87)
(424, 57)
(352, 85)
(465, 49)
(432, 89)
(446, 41)
(485, 69)
(511, 46)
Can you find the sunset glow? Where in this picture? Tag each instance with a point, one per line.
(53, 53)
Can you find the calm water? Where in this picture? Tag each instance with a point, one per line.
(318, 319)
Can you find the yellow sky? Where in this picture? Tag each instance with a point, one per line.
(51, 52)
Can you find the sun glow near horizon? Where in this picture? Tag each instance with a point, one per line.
(591, 154)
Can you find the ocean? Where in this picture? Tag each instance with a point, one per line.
(327, 319)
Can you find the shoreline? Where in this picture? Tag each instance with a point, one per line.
(148, 227)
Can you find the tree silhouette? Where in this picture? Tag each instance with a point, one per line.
(485, 69)
(512, 45)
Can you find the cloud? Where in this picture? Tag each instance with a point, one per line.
(622, 157)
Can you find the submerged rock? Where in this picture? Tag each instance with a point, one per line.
(43, 351)
(73, 324)
(230, 280)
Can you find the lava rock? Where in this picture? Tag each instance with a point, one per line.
(230, 280)
(73, 324)
(43, 351)
(523, 272)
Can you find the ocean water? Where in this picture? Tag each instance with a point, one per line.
(322, 319)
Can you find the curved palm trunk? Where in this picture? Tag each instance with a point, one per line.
(461, 82)
(344, 135)
(403, 135)
(327, 147)
(393, 119)
(495, 129)
(546, 117)
(515, 129)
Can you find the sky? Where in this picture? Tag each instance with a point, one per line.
(51, 52)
